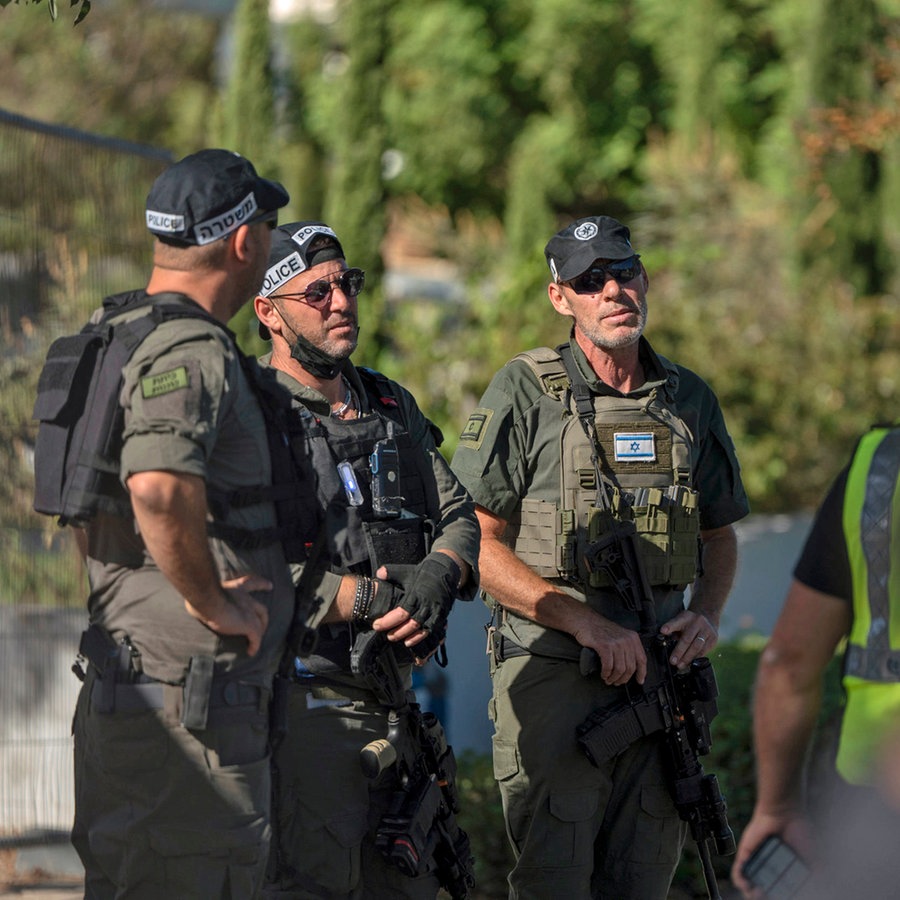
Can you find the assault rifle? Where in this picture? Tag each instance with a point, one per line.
(678, 704)
(420, 826)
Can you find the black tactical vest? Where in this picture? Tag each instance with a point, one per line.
(79, 440)
(360, 539)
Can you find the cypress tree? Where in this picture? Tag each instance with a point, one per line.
(355, 203)
(248, 124)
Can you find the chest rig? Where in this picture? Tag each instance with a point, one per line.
(368, 480)
(626, 458)
(371, 493)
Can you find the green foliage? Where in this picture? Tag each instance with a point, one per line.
(83, 7)
(481, 817)
(441, 68)
(122, 73)
(249, 102)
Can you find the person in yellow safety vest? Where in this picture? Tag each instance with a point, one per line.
(845, 587)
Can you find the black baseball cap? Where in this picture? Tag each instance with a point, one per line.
(296, 247)
(571, 251)
(207, 195)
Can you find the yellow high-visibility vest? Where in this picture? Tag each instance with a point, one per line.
(871, 522)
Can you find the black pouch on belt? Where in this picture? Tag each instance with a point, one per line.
(197, 688)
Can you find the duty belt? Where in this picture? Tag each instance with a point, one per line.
(117, 685)
(502, 648)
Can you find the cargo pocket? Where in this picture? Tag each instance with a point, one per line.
(659, 832)
(506, 759)
(126, 743)
(337, 861)
(569, 840)
(198, 864)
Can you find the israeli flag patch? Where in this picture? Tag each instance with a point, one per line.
(635, 446)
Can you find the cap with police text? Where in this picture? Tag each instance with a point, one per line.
(572, 250)
(208, 195)
(296, 247)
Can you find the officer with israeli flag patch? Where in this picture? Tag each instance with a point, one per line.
(564, 442)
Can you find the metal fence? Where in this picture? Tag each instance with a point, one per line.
(71, 231)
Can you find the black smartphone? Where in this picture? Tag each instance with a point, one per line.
(384, 464)
(776, 869)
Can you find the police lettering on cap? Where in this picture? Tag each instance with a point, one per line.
(296, 247)
(208, 195)
(572, 250)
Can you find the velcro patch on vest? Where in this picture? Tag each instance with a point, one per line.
(636, 450)
(164, 383)
(634, 446)
(474, 431)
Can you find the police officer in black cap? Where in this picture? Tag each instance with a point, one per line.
(564, 441)
(189, 607)
(401, 546)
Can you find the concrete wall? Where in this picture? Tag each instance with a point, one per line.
(37, 697)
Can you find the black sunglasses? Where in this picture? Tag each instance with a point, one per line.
(593, 280)
(318, 293)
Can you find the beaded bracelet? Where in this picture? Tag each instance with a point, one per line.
(365, 594)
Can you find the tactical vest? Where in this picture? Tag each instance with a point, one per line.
(81, 421)
(871, 522)
(360, 540)
(645, 456)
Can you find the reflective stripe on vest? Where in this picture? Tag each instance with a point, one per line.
(871, 522)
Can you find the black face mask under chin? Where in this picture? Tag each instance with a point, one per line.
(313, 359)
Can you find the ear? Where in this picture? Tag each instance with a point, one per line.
(242, 243)
(558, 299)
(265, 312)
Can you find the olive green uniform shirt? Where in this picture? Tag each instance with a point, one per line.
(189, 409)
(510, 451)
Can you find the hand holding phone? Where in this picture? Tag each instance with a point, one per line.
(775, 869)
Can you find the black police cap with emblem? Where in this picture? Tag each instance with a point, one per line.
(208, 195)
(571, 251)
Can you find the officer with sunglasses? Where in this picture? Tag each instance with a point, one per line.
(401, 544)
(566, 441)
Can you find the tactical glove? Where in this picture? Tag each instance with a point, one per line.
(429, 589)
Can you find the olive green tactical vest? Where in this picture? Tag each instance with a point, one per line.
(871, 522)
(645, 451)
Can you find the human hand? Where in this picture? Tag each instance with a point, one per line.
(619, 650)
(429, 588)
(398, 625)
(696, 637)
(793, 829)
(238, 613)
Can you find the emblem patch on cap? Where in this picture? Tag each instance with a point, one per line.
(164, 383)
(635, 446)
(585, 231)
(473, 434)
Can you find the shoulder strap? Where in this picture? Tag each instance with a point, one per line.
(548, 368)
(383, 397)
